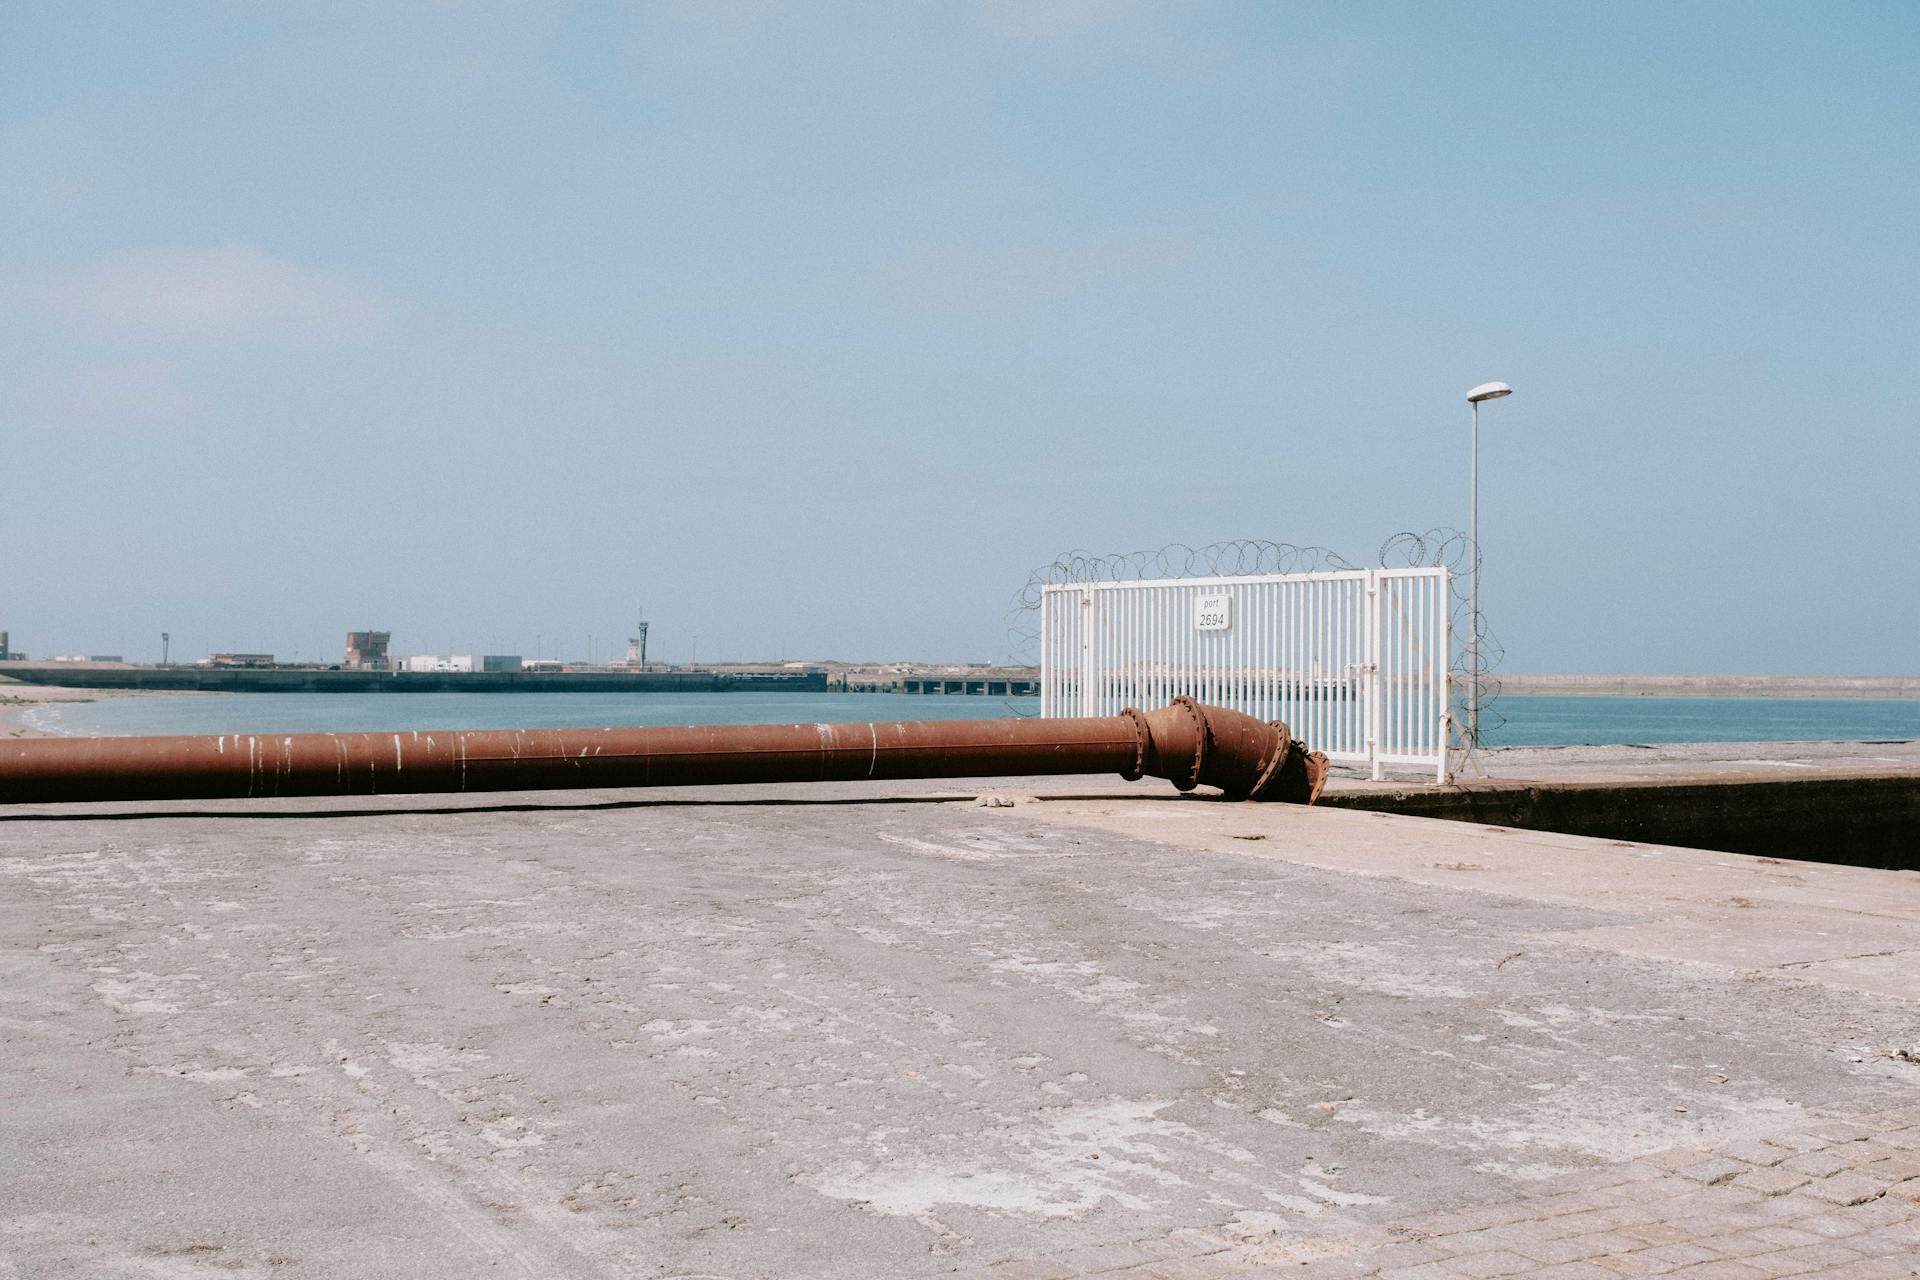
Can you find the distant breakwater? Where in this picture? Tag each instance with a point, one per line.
(322, 680)
(1875, 687)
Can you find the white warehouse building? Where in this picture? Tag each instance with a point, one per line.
(440, 662)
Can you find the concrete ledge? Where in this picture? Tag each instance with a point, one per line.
(1859, 818)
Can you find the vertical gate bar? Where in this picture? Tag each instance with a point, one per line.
(1143, 623)
(1183, 672)
(1310, 661)
(1147, 651)
(1046, 651)
(1411, 656)
(1086, 651)
(1394, 663)
(1049, 668)
(1111, 670)
(1166, 655)
(1292, 713)
(1268, 636)
(1416, 672)
(1312, 664)
(1338, 687)
(1438, 660)
(1300, 610)
(1392, 620)
(1444, 670)
(1152, 697)
(1145, 696)
(1230, 657)
(1349, 694)
(1350, 670)
(1414, 607)
(1356, 675)
(1267, 628)
(1285, 672)
(1096, 667)
(1435, 710)
(1243, 698)
(1216, 645)
(1157, 614)
(1375, 724)
(1210, 646)
(1325, 647)
(1320, 659)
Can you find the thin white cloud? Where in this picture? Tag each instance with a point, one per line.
(1049, 20)
(230, 294)
(110, 396)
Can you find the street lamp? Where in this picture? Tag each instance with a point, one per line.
(1485, 391)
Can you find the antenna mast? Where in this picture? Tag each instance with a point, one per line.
(637, 642)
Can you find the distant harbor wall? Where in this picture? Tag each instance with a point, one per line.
(322, 680)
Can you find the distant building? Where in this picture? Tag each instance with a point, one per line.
(637, 645)
(542, 664)
(367, 651)
(444, 662)
(236, 660)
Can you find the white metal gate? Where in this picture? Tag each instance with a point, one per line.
(1355, 661)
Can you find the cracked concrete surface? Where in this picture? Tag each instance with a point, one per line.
(703, 1037)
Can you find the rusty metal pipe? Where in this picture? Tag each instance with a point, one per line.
(1185, 742)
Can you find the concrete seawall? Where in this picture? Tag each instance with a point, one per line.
(321, 680)
(1858, 819)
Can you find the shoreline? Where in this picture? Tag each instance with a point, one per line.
(18, 699)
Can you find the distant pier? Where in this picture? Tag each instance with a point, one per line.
(989, 682)
(83, 675)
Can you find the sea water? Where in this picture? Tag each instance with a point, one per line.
(1511, 722)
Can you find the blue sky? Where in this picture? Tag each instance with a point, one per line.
(814, 328)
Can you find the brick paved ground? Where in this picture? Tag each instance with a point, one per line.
(1839, 1199)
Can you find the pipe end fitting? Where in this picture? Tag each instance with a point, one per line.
(1248, 759)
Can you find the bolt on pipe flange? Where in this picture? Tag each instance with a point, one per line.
(1139, 769)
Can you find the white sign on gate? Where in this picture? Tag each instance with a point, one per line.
(1213, 612)
(1356, 661)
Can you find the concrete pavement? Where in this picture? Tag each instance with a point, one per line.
(751, 1034)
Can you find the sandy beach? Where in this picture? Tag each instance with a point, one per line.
(18, 699)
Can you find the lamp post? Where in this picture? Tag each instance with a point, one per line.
(1485, 391)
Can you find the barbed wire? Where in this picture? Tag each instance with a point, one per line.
(1454, 551)
(1247, 557)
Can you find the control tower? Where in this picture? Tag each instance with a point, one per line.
(637, 643)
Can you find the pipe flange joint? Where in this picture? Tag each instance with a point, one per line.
(1283, 747)
(1200, 736)
(1140, 734)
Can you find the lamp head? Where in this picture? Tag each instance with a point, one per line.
(1488, 391)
